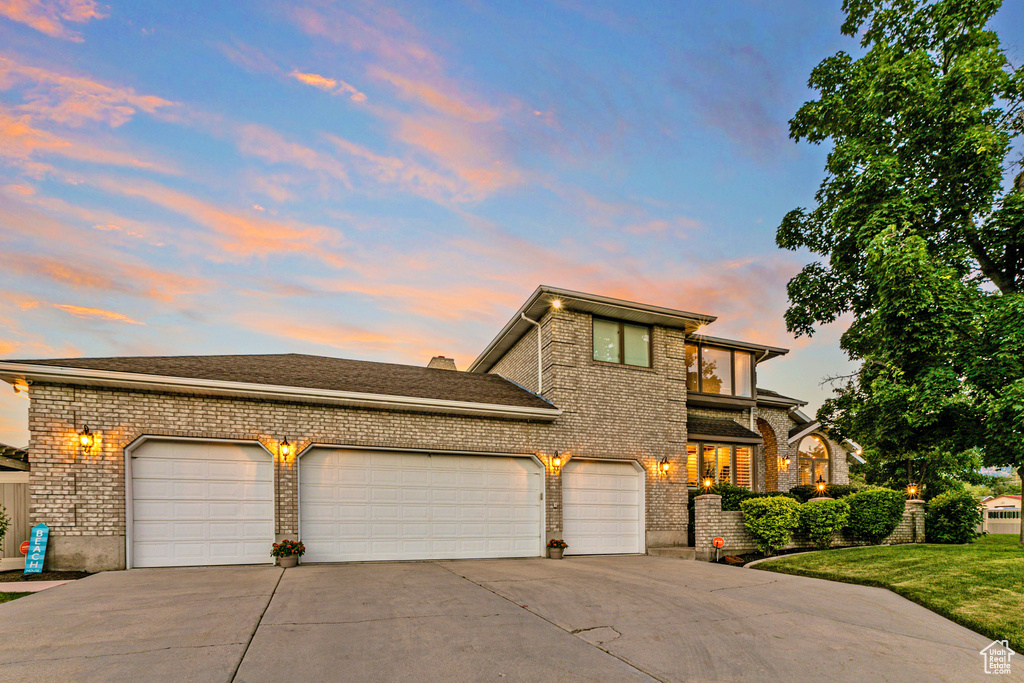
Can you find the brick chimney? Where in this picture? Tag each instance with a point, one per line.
(442, 363)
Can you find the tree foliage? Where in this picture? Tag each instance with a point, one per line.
(919, 229)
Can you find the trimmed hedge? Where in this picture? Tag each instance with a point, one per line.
(821, 520)
(874, 513)
(771, 520)
(953, 517)
(733, 496)
(804, 492)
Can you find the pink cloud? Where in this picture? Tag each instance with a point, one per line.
(268, 144)
(21, 143)
(237, 233)
(74, 100)
(89, 312)
(450, 103)
(48, 16)
(331, 85)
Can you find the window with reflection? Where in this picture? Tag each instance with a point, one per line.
(722, 463)
(623, 343)
(812, 460)
(716, 370)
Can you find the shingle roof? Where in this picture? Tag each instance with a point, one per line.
(13, 453)
(769, 394)
(726, 429)
(320, 372)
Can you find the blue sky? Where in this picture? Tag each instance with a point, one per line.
(390, 181)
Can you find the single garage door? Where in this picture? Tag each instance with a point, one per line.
(601, 510)
(201, 503)
(382, 505)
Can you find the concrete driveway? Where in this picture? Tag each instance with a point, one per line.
(630, 618)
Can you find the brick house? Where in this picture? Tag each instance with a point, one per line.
(586, 418)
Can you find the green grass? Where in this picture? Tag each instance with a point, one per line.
(979, 585)
(7, 597)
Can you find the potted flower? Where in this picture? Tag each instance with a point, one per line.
(556, 547)
(288, 552)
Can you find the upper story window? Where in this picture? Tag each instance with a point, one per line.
(715, 370)
(624, 343)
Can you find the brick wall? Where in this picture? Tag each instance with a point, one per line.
(711, 521)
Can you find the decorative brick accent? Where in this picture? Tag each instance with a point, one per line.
(711, 521)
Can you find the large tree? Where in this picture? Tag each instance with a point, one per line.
(920, 227)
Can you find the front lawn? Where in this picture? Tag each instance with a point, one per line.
(979, 585)
(7, 597)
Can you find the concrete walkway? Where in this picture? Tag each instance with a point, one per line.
(581, 619)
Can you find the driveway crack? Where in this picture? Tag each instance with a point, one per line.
(596, 645)
(259, 621)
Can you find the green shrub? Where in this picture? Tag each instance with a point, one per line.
(822, 519)
(804, 492)
(874, 513)
(733, 495)
(771, 521)
(953, 517)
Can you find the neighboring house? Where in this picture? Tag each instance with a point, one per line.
(587, 418)
(1002, 514)
(14, 499)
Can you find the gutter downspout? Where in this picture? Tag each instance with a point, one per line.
(540, 379)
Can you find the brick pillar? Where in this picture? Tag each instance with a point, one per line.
(915, 508)
(707, 516)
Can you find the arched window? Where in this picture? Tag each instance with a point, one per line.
(812, 460)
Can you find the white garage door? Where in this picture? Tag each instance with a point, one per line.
(377, 505)
(201, 503)
(601, 507)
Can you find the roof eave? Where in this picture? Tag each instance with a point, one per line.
(23, 372)
(540, 302)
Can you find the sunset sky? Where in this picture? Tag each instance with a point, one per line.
(391, 181)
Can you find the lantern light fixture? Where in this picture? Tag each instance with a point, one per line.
(708, 480)
(663, 466)
(556, 461)
(821, 484)
(785, 460)
(286, 448)
(86, 438)
(912, 491)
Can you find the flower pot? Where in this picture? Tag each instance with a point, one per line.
(288, 561)
(555, 553)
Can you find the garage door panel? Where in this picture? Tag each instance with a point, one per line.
(201, 503)
(421, 506)
(601, 507)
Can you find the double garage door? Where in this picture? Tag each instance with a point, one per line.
(202, 503)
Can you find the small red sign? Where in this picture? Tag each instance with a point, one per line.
(24, 547)
(718, 542)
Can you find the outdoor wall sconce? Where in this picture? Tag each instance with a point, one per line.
(821, 484)
(784, 461)
(556, 462)
(663, 466)
(86, 439)
(286, 449)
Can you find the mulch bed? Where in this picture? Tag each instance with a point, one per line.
(17, 575)
(750, 557)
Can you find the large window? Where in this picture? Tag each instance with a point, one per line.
(812, 460)
(723, 463)
(714, 370)
(623, 343)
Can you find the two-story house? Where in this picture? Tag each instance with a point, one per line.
(587, 418)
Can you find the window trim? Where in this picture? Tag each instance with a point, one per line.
(827, 459)
(701, 468)
(732, 372)
(622, 343)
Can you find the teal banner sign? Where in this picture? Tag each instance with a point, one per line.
(36, 549)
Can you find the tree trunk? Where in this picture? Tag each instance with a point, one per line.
(1020, 473)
